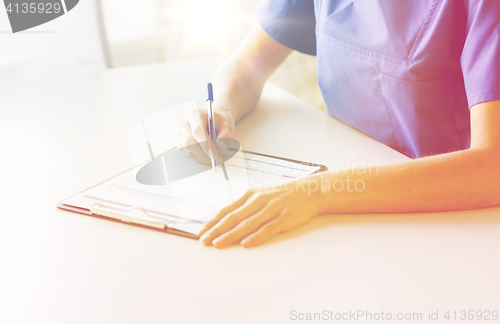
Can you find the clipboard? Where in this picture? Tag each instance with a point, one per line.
(154, 220)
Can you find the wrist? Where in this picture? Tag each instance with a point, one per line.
(224, 109)
(322, 197)
(310, 188)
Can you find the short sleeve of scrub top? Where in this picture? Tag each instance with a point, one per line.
(403, 72)
(290, 22)
(481, 52)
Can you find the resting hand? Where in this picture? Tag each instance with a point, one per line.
(261, 214)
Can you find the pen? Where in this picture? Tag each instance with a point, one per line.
(211, 128)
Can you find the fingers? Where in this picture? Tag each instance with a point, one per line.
(188, 144)
(268, 231)
(223, 144)
(196, 154)
(184, 134)
(224, 211)
(255, 218)
(232, 219)
(198, 122)
(225, 131)
(193, 129)
(247, 226)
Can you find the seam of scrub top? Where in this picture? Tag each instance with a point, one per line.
(363, 51)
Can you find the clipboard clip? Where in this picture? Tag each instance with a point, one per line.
(129, 215)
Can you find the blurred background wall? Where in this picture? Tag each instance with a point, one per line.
(151, 31)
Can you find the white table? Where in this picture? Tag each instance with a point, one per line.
(59, 136)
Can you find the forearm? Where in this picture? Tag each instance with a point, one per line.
(466, 179)
(239, 81)
(237, 90)
(460, 180)
(455, 181)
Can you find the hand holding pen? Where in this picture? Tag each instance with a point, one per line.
(193, 132)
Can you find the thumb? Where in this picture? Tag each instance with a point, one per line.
(225, 132)
(224, 137)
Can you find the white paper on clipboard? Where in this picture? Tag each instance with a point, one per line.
(182, 206)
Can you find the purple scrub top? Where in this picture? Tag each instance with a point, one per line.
(404, 72)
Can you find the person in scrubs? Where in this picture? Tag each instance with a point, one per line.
(422, 77)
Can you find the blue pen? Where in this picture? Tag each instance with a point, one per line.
(211, 128)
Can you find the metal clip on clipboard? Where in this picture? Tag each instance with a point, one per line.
(129, 215)
(136, 214)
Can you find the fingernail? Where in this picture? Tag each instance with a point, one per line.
(246, 243)
(222, 145)
(204, 147)
(205, 239)
(218, 242)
